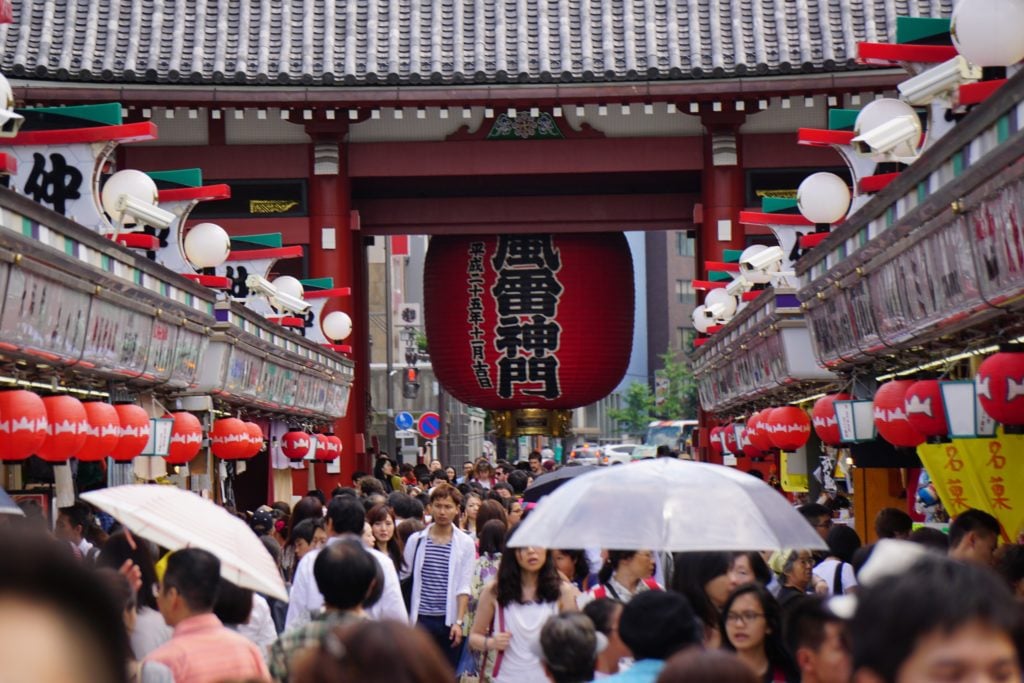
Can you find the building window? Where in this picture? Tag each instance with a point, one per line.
(685, 337)
(685, 293)
(684, 244)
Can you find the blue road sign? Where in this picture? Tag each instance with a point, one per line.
(404, 420)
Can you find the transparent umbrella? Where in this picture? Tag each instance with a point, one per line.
(666, 505)
(174, 519)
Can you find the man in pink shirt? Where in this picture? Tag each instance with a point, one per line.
(202, 650)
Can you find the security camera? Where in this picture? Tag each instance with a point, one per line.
(714, 311)
(738, 286)
(10, 121)
(766, 260)
(258, 284)
(894, 140)
(939, 81)
(143, 213)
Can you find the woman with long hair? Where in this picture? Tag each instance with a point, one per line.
(491, 509)
(623, 574)
(470, 509)
(384, 471)
(382, 524)
(706, 581)
(490, 546)
(751, 627)
(149, 630)
(513, 608)
(573, 565)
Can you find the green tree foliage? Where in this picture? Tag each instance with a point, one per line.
(681, 401)
(633, 417)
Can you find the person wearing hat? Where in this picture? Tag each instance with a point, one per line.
(794, 571)
(655, 625)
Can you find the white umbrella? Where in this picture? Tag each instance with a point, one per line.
(667, 505)
(174, 519)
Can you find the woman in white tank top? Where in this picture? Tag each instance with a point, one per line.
(513, 608)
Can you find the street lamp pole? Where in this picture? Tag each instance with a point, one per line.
(389, 428)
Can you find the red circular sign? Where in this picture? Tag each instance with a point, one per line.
(429, 425)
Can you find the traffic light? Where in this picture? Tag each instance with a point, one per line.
(410, 383)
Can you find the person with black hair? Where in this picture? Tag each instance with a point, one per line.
(930, 538)
(569, 645)
(706, 582)
(384, 472)
(512, 610)
(973, 537)
(893, 523)
(818, 516)
(246, 613)
(750, 566)
(836, 570)
(401, 505)
(319, 495)
(345, 517)
(149, 630)
(503, 490)
(534, 459)
(706, 666)
(605, 614)
(57, 620)
(345, 574)
(1010, 565)
(307, 535)
(123, 595)
(573, 566)
(654, 626)
(751, 627)
(385, 539)
(939, 620)
(518, 480)
(73, 525)
(624, 574)
(817, 641)
(202, 649)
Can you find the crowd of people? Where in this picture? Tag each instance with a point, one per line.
(407, 576)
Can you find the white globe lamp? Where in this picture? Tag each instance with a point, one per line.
(290, 286)
(720, 296)
(700, 320)
(989, 32)
(207, 245)
(336, 325)
(823, 198)
(135, 184)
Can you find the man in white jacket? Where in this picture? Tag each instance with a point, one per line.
(440, 559)
(345, 515)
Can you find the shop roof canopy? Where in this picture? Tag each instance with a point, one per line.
(378, 42)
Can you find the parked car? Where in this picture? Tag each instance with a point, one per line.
(618, 454)
(586, 454)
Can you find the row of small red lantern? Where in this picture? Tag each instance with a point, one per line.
(296, 445)
(906, 413)
(58, 428)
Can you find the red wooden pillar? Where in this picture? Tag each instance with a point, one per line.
(335, 251)
(723, 190)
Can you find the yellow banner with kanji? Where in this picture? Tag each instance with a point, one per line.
(985, 474)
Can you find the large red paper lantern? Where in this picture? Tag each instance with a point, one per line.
(747, 446)
(891, 415)
(186, 438)
(328, 448)
(66, 428)
(757, 431)
(823, 418)
(22, 424)
(716, 439)
(529, 321)
(731, 444)
(295, 445)
(788, 428)
(1000, 386)
(923, 406)
(103, 432)
(255, 439)
(229, 439)
(134, 432)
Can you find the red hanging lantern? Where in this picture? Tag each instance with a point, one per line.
(716, 439)
(66, 428)
(823, 417)
(788, 428)
(757, 431)
(255, 439)
(103, 432)
(746, 445)
(22, 424)
(510, 318)
(731, 444)
(229, 439)
(923, 407)
(338, 445)
(1000, 387)
(186, 438)
(134, 432)
(891, 415)
(328, 448)
(295, 445)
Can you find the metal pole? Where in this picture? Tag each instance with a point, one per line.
(389, 433)
(442, 440)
